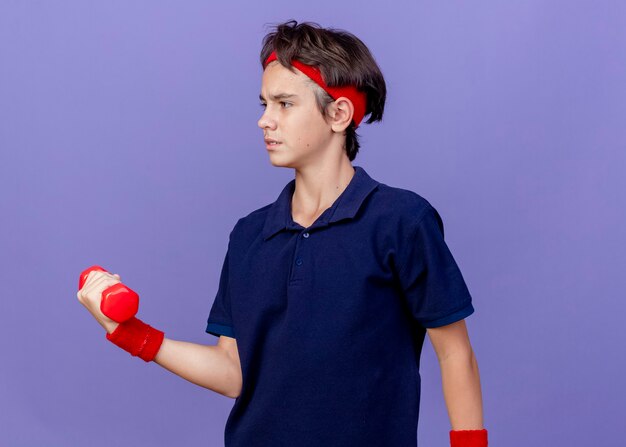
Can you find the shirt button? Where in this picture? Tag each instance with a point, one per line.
(306, 235)
(298, 261)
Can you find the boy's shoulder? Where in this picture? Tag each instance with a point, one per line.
(403, 201)
(253, 221)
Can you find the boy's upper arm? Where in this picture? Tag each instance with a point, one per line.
(432, 284)
(450, 339)
(229, 345)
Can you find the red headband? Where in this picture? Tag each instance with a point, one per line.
(350, 91)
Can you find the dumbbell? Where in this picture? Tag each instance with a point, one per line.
(119, 302)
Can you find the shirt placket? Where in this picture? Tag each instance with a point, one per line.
(300, 259)
(302, 255)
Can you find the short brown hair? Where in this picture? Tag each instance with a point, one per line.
(342, 58)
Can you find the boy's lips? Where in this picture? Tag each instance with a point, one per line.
(270, 143)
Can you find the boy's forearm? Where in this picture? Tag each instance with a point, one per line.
(462, 391)
(207, 366)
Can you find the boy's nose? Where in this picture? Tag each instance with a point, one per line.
(266, 122)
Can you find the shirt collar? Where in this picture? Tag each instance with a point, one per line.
(345, 206)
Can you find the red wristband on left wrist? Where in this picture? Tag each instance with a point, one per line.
(468, 438)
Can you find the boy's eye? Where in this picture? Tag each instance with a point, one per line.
(262, 104)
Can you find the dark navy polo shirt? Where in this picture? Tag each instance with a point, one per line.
(330, 320)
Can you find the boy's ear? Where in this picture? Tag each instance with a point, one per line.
(341, 112)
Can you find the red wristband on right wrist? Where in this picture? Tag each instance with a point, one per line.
(137, 338)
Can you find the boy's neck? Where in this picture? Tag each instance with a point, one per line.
(317, 188)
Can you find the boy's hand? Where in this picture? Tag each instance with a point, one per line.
(90, 296)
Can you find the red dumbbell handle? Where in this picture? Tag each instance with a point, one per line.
(119, 302)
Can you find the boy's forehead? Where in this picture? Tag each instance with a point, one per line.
(278, 81)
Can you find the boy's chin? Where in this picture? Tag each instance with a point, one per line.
(281, 164)
(279, 160)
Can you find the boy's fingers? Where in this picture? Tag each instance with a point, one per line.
(94, 277)
(93, 291)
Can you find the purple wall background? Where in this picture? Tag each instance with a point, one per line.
(128, 139)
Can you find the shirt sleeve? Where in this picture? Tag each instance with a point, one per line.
(220, 320)
(432, 284)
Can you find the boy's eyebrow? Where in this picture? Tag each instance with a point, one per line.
(279, 96)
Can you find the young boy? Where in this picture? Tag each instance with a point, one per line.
(325, 295)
